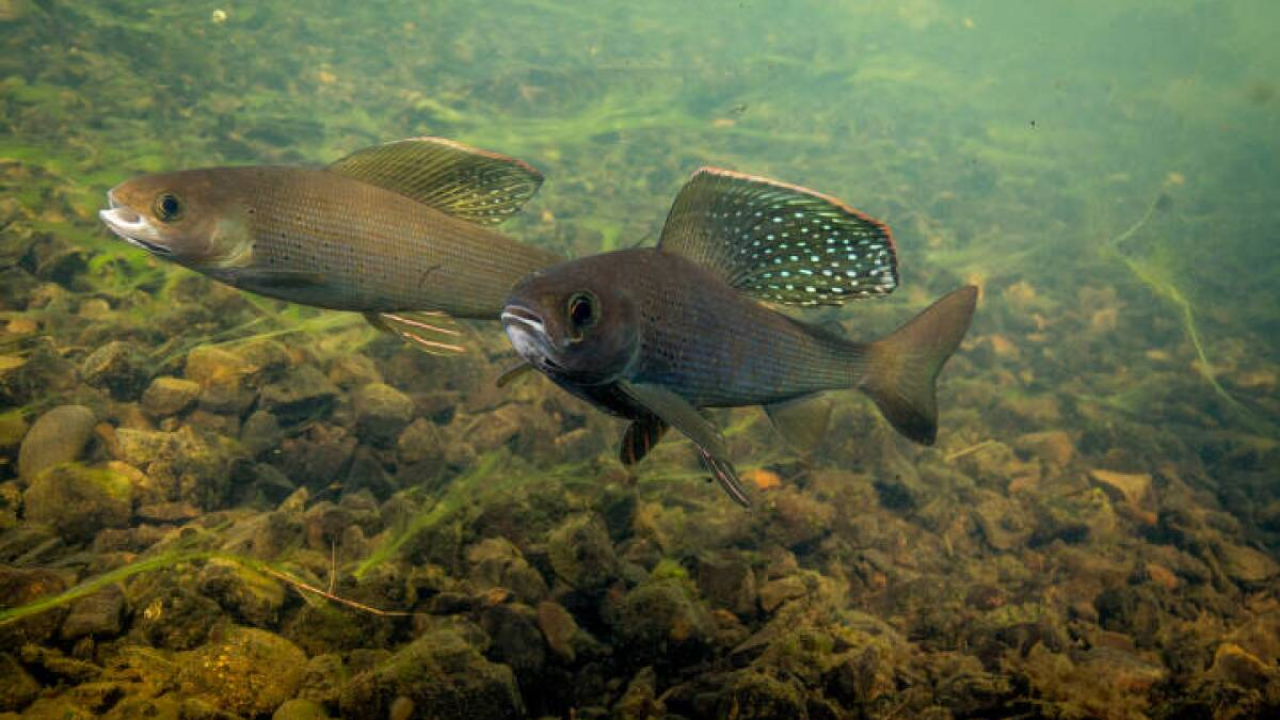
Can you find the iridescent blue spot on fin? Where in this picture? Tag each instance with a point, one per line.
(778, 242)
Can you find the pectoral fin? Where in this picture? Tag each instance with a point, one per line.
(465, 182)
(514, 374)
(641, 436)
(802, 422)
(427, 331)
(677, 412)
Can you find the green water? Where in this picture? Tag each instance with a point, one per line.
(1094, 534)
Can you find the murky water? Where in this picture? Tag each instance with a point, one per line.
(216, 503)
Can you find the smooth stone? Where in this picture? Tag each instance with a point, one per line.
(59, 436)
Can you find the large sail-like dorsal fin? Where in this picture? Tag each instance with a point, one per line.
(778, 242)
(465, 182)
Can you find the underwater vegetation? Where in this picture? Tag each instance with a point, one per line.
(216, 504)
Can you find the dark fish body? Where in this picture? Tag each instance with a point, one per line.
(711, 344)
(405, 226)
(656, 334)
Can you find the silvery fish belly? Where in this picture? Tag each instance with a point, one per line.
(657, 334)
(400, 227)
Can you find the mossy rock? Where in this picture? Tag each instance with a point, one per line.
(444, 678)
(78, 500)
(245, 671)
(753, 694)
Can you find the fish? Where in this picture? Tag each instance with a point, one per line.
(657, 335)
(402, 232)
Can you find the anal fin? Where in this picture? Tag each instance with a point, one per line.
(802, 421)
(427, 331)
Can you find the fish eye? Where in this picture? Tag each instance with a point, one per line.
(168, 207)
(582, 310)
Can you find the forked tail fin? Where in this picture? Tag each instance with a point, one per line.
(903, 366)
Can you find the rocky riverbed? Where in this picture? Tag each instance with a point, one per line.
(294, 526)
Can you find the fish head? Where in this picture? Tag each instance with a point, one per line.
(573, 323)
(191, 217)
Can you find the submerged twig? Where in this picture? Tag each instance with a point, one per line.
(307, 587)
(969, 450)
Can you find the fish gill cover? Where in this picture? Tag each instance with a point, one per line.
(213, 502)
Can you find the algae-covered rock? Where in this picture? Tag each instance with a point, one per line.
(170, 396)
(117, 367)
(726, 580)
(186, 465)
(100, 615)
(1246, 565)
(640, 701)
(442, 675)
(662, 621)
(58, 436)
(168, 613)
(580, 552)
(753, 694)
(249, 595)
(300, 709)
(495, 562)
(381, 413)
(303, 394)
(17, 687)
(515, 639)
(560, 630)
(245, 671)
(78, 500)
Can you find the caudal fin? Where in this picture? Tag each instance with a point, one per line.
(904, 365)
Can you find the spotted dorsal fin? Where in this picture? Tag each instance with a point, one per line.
(465, 182)
(778, 242)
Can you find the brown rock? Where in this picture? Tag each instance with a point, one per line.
(773, 594)
(1234, 665)
(559, 628)
(169, 396)
(1132, 488)
(1052, 446)
(1246, 565)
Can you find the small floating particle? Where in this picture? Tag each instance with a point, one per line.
(218, 16)
(326, 78)
(723, 122)
(1175, 178)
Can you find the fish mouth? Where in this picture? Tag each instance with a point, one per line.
(528, 335)
(132, 227)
